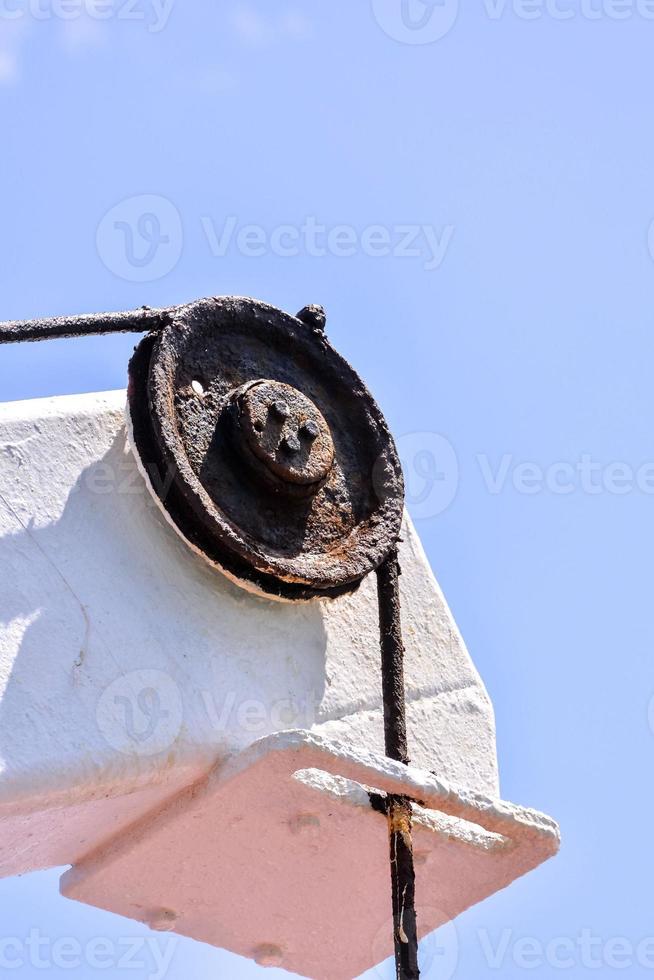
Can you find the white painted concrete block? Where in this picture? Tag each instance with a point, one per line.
(130, 670)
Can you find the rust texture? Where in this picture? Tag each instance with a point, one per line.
(52, 328)
(283, 436)
(405, 930)
(319, 502)
(273, 460)
(262, 443)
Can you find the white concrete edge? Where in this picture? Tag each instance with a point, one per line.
(308, 750)
(59, 406)
(414, 542)
(347, 791)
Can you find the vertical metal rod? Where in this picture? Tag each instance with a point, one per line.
(398, 807)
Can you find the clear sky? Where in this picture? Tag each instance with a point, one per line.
(469, 194)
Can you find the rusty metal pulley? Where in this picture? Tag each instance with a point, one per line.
(270, 457)
(265, 448)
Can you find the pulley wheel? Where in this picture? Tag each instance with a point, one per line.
(264, 448)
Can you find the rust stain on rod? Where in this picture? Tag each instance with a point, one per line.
(142, 320)
(398, 807)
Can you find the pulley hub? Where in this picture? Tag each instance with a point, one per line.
(283, 437)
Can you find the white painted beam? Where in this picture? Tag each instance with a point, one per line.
(127, 667)
(130, 670)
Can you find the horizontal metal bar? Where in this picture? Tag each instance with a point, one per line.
(142, 320)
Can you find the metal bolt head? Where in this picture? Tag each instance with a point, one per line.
(162, 920)
(291, 444)
(314, 316)
(268, 954)
(310, 429)
(280, 410)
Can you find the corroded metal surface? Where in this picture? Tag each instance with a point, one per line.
(53, 328)
(270, 456)
(264, 447)
(398, 808)
(282, 436)
(269, 453)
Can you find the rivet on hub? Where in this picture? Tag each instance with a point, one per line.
(310, 429)
(291, 444)
(280, 410)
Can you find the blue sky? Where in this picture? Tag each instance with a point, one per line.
(469, 193)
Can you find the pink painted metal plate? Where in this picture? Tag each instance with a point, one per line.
(280, 855)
